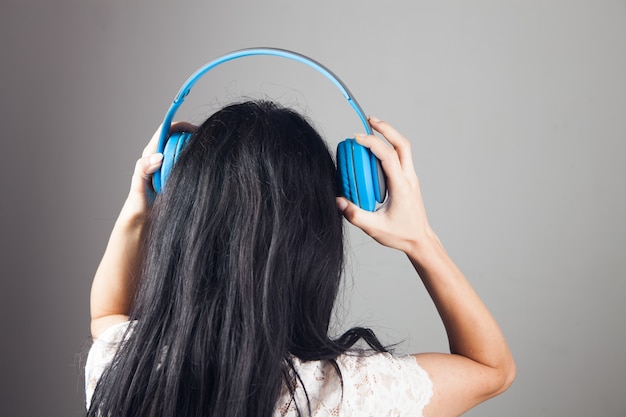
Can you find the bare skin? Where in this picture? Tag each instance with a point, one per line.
(479, 365)
(113, 287)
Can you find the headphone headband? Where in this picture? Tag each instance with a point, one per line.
(186, 88)
(361, 177)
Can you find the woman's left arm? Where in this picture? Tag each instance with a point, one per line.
(115, 281)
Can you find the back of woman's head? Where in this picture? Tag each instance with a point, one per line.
(248, 220)
(242, 268)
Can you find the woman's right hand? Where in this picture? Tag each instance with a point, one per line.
(401, 222)
(480, 365)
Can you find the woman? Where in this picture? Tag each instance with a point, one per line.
(222, 289)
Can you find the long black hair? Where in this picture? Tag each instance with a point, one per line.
(243, 261)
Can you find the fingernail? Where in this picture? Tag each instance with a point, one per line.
(360, 135)
(373, 119)
(155, 158)
(341, 204)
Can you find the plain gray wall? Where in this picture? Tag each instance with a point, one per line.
(517, 115)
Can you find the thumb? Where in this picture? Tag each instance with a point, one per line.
(342, 204)
(144, 168)
(352, 212)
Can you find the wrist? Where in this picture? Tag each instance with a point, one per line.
(131, 217)
(426, 250)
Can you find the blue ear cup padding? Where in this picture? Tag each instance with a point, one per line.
(359, 179)
(363, 176)
(173, 148)
(345, 171)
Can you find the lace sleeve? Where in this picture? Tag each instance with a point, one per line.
(375, 385)
(100, 355)
(384, 385)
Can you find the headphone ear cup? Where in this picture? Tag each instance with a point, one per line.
(359, 174)
(172, 150)
(345, 171)
(378, 175)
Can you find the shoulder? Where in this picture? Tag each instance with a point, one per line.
(384, 377)
(101, 354)
(383, 363)
(375, 384)
(105, 346)
(386, 384)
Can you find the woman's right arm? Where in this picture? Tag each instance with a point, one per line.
(479, 365)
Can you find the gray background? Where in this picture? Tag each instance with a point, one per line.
(517, 115)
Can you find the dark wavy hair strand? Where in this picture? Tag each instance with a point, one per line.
(243, 261)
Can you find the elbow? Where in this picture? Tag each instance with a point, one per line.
(500, 379)
(507, 374)
(511, 374)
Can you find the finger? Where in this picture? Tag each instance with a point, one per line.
(144, 168)
(148, 165)
(387, 155)
(352, 212)
(342, 203)
(397, 140)
(152, 164)
(368, 222)
(153, 145)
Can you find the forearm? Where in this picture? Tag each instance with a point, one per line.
(472, 331)
(480, 364)
(114, 283)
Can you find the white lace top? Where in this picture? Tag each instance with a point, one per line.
(375, 385)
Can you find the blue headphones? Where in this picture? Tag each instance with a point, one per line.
(361, 178)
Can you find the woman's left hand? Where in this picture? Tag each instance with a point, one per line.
(114, 284)
(141, 192)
